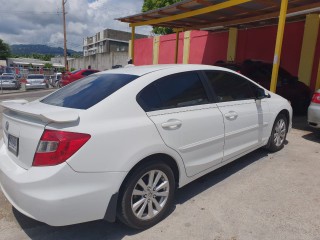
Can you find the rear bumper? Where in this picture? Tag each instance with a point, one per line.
(9, 85)
(57, 195)
(314, 115)
(34, 86)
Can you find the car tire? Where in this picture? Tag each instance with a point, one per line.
(278, 134)
(147, 195)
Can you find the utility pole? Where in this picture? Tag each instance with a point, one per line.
(65, 35)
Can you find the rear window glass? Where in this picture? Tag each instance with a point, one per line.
(7, 77)
(36, 77)
(86, 92)
(75, 71)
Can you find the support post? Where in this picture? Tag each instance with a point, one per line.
(156, 45)
(64, 35)
(277, 52)
(132, 42)
(308, 48)
(232, 44)
(177, 48)
(317, 86)
(130, 53)
(186, 47)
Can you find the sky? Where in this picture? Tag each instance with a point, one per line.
(40, 21)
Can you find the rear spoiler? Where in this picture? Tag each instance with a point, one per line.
(47, 113)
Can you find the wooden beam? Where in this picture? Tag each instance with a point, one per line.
(177, 48)
(204, 2)
(132, 43)
(192, 13)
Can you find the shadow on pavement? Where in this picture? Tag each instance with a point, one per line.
(300, 123)
(91, 230)
(104, 230)
(209, 180)
(313, 136)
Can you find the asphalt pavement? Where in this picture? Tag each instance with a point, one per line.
(259, 196)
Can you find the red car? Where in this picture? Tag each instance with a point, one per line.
(288, 86)
(70, 77)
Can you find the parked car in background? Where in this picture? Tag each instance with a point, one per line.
(93, 155)
(9, 82)
(314, 110)
(288, 86)
(34, 81)
(54, 79)
(70, 77)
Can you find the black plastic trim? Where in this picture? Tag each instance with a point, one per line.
(111, 213)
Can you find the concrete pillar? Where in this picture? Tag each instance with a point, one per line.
(232, 44)
(186, 47)
(309, 43)
(156, 45)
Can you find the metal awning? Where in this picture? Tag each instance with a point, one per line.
(21, 63)
(57, 65)
(37, 64)
(199, 14)
(219, 14)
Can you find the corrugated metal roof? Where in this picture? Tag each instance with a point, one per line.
(249, 12)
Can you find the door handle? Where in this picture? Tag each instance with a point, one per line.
(172, 124)
(232, 115)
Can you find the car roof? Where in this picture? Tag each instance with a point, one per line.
(142, 70)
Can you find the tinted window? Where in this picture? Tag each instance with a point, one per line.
(85, 93)
(87, 73)
(75, 71)
(35, 76)
(6, 77)
(230, 87)
(177, 90)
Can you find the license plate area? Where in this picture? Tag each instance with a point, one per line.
(13, 144)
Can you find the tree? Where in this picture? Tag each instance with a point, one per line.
(155, 4)
(48, 65)
(4, 50)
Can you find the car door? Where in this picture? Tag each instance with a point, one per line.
(246, 119)
(187, 121)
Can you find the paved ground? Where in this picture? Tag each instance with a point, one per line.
(260, 196)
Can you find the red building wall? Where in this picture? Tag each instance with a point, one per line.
(167, 48)
(255, 43)
(207, 47)
(143, 51)
(259, 44)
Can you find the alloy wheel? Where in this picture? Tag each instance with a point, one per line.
(150, 195)
(279, 132)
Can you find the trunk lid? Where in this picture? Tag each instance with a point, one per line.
(23, 124)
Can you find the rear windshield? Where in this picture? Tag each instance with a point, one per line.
(75, 71)
(86, 92)
(6, 77)
(36, 77)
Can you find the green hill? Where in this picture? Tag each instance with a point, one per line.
(26, 49)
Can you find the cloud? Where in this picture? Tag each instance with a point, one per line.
(40, 21)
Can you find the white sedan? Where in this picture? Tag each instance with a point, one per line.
(118, 143)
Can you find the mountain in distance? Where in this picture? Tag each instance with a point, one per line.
(25, 49)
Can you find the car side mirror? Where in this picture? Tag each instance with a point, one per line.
(261, 94)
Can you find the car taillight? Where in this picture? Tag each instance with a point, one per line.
(56, 147)
(316, 98)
